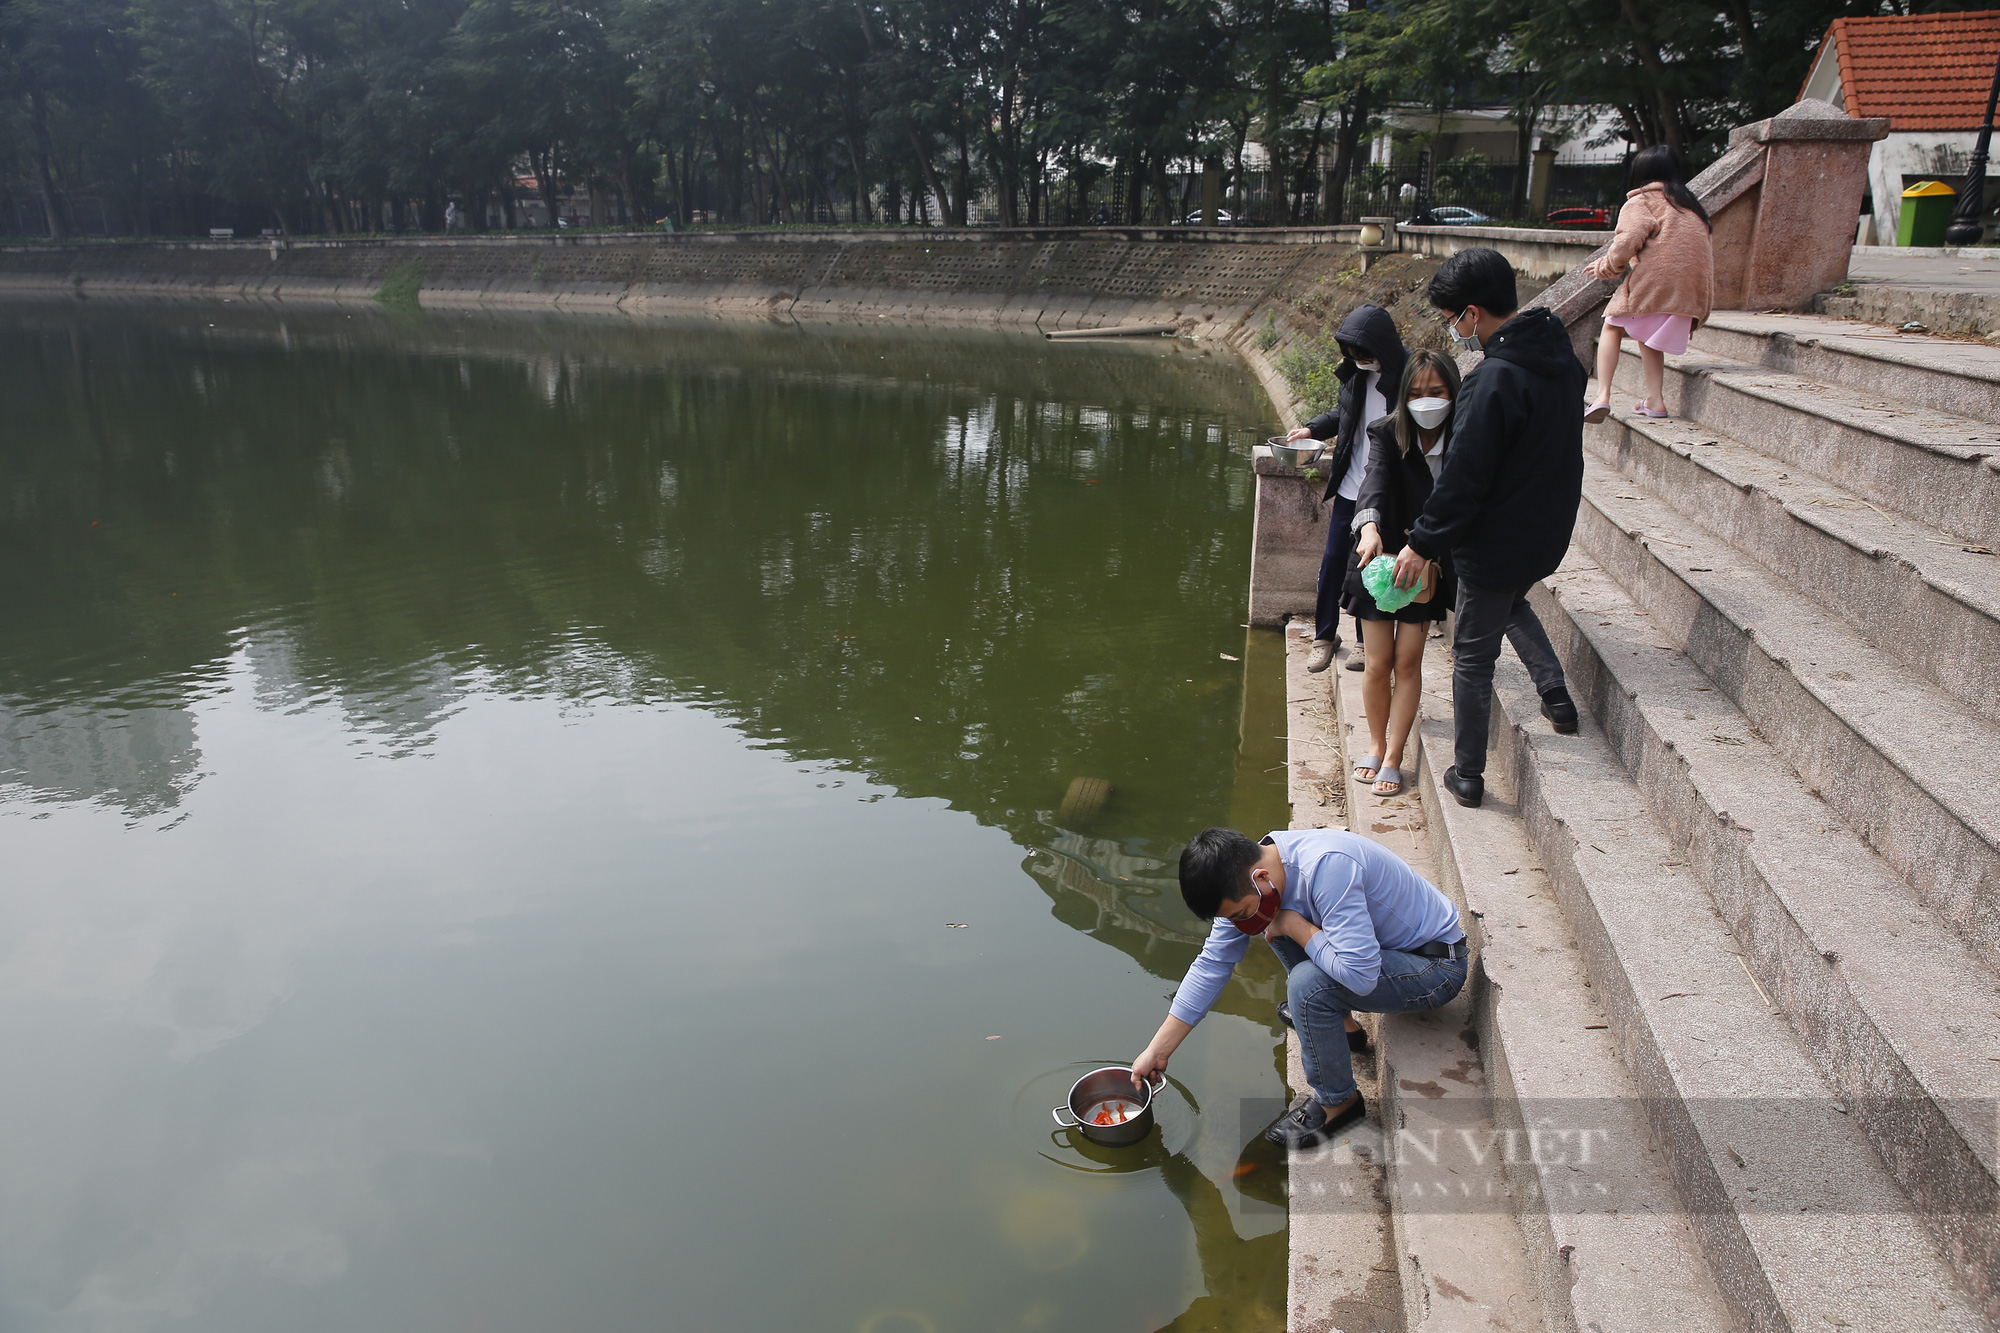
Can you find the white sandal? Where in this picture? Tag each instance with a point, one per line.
(1396, 782)
(1373, 763)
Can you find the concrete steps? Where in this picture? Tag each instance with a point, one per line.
(1960, 378)
(1785, 640)
(1899, 761)
(1548, 1053)
(1460, 1256)
(1919, 593)
(1800, 1222)
(1892, 1007)
(1937, 466)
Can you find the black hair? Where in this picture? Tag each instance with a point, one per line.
(1658, 164)
(1447, 369)
(1478, 276)
(1214, 867)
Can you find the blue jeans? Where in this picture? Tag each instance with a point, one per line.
(1320, 1006)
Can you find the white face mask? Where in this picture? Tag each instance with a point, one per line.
(1465, 342)
(1429, 413)
(1359, 364)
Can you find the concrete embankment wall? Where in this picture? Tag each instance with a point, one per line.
(1052, 278)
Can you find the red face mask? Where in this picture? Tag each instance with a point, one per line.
(1267, 912)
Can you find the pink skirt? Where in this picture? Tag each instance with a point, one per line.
(1662, 333)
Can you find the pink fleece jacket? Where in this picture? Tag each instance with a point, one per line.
(1671, 256)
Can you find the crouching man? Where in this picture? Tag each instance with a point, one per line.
(1358, 930)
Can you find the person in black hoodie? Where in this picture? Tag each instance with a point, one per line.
(1371, 366)
(1505, 504)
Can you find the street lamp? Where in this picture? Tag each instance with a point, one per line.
(1965, 228)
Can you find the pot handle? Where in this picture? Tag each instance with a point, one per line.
(1071, 1123)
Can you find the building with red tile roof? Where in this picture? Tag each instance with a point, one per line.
(1930, 74)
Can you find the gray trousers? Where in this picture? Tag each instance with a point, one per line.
(1483, 616)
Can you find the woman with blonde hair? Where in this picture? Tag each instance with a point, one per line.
(1408, 452)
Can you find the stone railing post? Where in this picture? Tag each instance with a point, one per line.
(1787, 241)
(1287, 540)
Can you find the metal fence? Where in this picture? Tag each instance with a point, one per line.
(1494, 189)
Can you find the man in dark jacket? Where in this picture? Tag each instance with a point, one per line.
(1506, 502)
(1371, 368)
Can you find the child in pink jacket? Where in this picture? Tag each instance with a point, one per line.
(1664, 242)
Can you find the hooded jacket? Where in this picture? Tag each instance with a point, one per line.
(1506, 503)
(1373, 330)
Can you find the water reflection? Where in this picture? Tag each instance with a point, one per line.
(384, 706)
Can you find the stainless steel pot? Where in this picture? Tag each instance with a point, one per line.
(1303, 454)
(1101, 1085)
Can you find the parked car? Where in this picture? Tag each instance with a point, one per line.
(1596, 218)
(1223, 218)
(1453, 216)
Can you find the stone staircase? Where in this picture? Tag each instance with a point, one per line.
(1755, 903)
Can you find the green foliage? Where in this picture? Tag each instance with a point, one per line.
(308, 116)
(399, 290)
(1308, 365)
(1267, 336)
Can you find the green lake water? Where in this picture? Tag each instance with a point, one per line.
(482, 799)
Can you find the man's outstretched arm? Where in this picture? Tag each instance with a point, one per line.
(1153, 1060)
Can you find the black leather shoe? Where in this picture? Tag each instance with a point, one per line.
(1466, 791)
(1560, 711)
(1310, 1123)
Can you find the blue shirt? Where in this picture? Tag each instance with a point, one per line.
(1362, 896)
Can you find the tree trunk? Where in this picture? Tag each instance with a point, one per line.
(545, 183)
(1650, 62)
(44, 164)
(1308, 163)
(961, 214)
(1347, 146)
(929, 172)
(1525, 115)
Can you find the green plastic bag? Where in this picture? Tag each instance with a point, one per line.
(1379, 577)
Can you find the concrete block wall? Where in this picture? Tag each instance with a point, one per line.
(1052, 277)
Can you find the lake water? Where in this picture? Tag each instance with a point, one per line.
(483, 801)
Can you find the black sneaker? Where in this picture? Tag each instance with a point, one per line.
(1310, 1123)
(1466, 791)
(1356, 1040)
(1560, 711)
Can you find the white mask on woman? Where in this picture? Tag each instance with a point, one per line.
(1429, 413)
(1359, 364)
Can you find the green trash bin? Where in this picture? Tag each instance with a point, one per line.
(1927, 209)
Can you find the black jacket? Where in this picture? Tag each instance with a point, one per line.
(1506, 504)
(1372, 329)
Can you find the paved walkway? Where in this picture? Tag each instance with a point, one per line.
(1969, 270)
(1947, 291)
